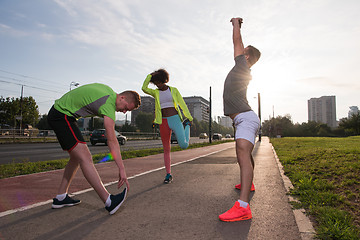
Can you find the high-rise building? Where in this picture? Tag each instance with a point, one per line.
(198, 107)
(147, 106)
(353, 111)
(225, 121)
(323, 110)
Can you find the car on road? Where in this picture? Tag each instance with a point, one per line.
(99, 136)
(217, 136)
(203, 136)
(228, 136)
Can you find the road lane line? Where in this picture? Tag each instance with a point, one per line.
(3, 214)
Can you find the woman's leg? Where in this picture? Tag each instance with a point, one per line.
(182, 135)
(165, 134)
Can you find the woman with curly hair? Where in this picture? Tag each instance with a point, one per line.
(168, 102)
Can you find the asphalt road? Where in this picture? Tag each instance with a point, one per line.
(188, 208)
(34, 152)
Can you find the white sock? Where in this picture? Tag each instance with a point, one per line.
(108, 201)
(61, 197)
(243, 204)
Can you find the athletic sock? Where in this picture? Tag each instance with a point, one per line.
(243, 204)
(108, 201)
(61, 197)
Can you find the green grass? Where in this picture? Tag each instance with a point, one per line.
(325, 173)
(16, 169)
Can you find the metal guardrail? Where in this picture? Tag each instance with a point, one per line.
(14, 135)
(26, 133)
(139, 135)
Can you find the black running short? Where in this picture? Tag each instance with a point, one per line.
(66, 129)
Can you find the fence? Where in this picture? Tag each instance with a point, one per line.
(36, 135)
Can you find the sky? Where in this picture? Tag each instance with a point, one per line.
(309, 49)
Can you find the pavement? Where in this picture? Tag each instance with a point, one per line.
(188, 208)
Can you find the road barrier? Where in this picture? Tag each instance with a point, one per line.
(36, 135)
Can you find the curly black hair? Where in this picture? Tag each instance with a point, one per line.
(160, 76)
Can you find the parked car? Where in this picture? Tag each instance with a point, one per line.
(217, 136)
(99, 136)
(227, 136)
(173, 138)
(4, 129)
(43, 133)
(203, 136)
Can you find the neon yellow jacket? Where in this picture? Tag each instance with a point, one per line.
(177, 99)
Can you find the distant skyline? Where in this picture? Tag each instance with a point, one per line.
(309, 49)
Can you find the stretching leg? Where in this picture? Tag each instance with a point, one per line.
(182, 135)
(69, 173)
(81, 156)
(243, 154)
(165, 134)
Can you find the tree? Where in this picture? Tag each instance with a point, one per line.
(144, 122)
(284, 127)
(96, 123)
(128, 128)
(277, 126)
(43, 123)
(12, 108)
(351, 125)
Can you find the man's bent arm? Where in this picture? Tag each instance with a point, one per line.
(114, 148)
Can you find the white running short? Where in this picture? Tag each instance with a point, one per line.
(247, 125)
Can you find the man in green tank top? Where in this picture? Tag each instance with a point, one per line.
(85, 101)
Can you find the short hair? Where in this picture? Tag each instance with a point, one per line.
(254, 54)
(133, 96)
(160, 75)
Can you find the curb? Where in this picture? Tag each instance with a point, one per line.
(306, 229)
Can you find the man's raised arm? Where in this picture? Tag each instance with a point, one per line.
(237, 40)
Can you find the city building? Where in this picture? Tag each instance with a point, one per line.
(84, 124)
(225, 121)
(147, 106)
(353, 111)
(323, 110)
(198, 107)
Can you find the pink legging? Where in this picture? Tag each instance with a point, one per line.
(168, 125)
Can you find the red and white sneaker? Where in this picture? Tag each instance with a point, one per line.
(239, 187)
(236, 213)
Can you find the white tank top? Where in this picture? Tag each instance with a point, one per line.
(166, 99)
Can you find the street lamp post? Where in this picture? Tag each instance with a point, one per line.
(74, 83)
(259, 114)
(210, 130)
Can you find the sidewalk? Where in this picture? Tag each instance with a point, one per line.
(188, 208)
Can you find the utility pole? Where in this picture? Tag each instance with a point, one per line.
(210, 130)
(259, 114)
(21, 97)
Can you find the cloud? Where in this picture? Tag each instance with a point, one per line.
(5, 27)
(8, 30)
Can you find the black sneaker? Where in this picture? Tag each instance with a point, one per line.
(67, 202)
(116, 201)
(168, 178)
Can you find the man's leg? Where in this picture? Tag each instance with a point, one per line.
(82, 156)
(241, 209)
(243, 154)
(69, 173)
